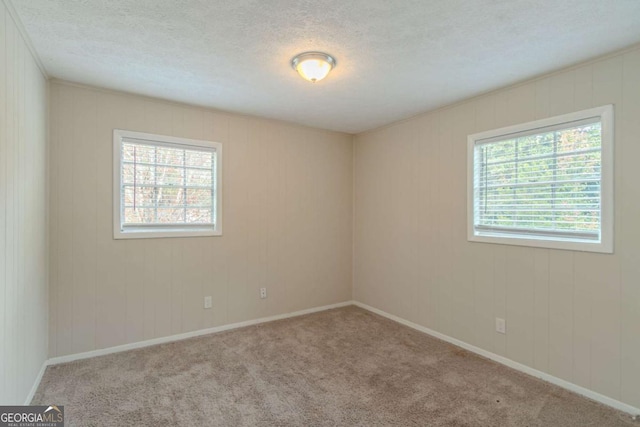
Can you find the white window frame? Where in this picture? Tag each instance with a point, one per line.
(173, 231)
(605, 244)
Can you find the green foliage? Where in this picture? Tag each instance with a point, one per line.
(546, 181)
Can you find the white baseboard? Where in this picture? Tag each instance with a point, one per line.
(489, 355)
(178, 337)
(36, 383)
(510, 363)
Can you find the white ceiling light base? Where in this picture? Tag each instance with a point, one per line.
(313, 66)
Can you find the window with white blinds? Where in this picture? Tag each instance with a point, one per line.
(546, 183)
(165, 186)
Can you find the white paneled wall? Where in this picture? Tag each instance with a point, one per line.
(287, 209)
(574, 315)
(23, 210)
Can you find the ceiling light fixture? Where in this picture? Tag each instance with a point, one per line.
(313, 66)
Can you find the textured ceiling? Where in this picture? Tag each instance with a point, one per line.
(395, 58)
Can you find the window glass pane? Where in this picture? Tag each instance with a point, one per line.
(170, 215)
(199, 177)
(201, 159)
(166, 185)
(547, 182)
(171, 197)
(138, 152)
(128, 196)
(170, 156)
(199, 216)
(138, 173)
(141, 197)
(199, 197)
(139, 215)
(170, 175)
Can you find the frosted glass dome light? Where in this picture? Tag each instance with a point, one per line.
(313, 66)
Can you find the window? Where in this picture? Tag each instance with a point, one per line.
(547, 183)
(166, 186)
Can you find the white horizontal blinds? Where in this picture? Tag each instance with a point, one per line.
(167, 185)
(544, 182)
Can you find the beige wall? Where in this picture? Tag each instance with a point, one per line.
(287, 210)
(23, 210)
(571, 314)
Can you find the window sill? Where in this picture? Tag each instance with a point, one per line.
(542, 242)
(138, 233)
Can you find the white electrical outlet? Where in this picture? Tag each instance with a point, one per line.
(207, 302)
(501, 325)
(263, 293)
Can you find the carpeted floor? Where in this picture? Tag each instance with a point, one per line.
(343, 367)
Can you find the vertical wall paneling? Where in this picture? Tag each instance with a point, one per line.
(13, 142)
(462, 290)
(627, 241)
(4, 201)
(606, 321)
(83, 216)
(444, 241)
(541, 310)
(427, 187)
(61, 241)
(110, 291)
(216, 128)
(287, 225)
(236, 213)
(23, 214)
(259, 138)
(274, 223)
(573, 315)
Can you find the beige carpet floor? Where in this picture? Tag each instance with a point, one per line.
(343, 367)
